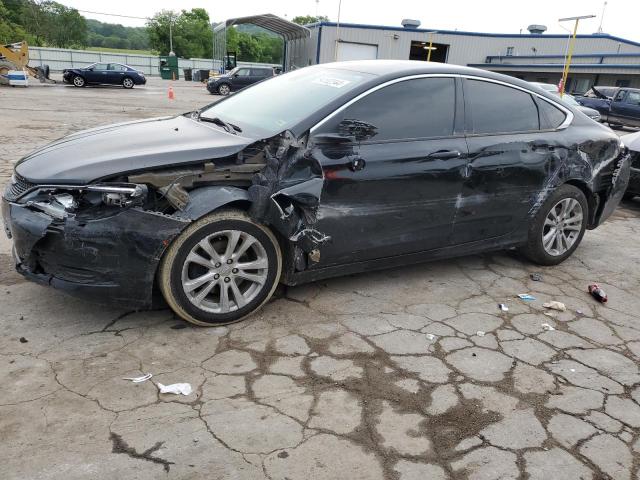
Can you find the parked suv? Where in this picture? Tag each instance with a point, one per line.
(238, 78)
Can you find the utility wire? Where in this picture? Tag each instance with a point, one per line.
(113, 14)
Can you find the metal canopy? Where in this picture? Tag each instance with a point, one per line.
(273, 23)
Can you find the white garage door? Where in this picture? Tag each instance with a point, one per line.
(356, 51)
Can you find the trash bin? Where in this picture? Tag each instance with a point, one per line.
(169, 67)
(204, 75)
(187, 74)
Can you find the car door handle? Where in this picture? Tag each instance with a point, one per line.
(444, 154)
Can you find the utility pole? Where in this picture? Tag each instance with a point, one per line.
(335, 56)
(565, 72)
(604, 7)
(171, 52)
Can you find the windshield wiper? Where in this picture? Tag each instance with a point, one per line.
(229, 127)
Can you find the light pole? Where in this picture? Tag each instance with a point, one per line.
(565, 71)
(430, 47)
(171, 52)
(335, 56)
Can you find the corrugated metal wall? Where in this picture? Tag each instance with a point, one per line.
(464, 49)
(60, 58)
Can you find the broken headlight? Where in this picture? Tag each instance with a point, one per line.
(60, 200)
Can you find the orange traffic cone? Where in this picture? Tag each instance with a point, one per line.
(171, 94)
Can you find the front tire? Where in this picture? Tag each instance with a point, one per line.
(78, 81)
(220, 269)
(558, 227)
(224, 89)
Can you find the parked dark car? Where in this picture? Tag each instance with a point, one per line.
(632, 141)
(592, 113)
(328, 170)
(104, 74)
(238, 78)
(618, 106)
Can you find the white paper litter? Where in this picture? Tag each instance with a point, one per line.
(503, 307)
(431, 336)
(480, 333)
(555, 306)
(177, 388)
(546, 326)
(141, 379)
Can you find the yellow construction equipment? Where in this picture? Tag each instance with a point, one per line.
(15, 56)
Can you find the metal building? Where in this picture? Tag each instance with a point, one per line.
(598, 59)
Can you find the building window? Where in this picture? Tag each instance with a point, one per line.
(510, 51)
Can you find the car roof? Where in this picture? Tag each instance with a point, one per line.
(390, 69)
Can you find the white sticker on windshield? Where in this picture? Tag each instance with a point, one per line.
(331, 82)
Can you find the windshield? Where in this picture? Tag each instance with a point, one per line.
(277, 104)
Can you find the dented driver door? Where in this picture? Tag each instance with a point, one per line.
(393, 163)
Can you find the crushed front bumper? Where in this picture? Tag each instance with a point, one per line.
(109, 259)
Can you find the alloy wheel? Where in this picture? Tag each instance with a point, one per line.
(78, 81)
(225, 271)
(127, 83)
(562, 226)
(224, 89)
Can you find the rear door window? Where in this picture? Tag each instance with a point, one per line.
(411, 109)
(259, 72)
(497, 108)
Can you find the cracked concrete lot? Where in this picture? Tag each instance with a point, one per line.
(410, 373)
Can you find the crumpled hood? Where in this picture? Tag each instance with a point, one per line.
(90, 155)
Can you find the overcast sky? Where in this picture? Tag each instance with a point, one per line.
(621, 17)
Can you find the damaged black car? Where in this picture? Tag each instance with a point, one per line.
(327, 170)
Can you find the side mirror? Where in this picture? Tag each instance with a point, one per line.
(357, 129)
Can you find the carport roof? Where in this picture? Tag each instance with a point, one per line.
(273, 23)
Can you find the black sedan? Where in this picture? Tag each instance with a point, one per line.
(104, 74)
(324, 171)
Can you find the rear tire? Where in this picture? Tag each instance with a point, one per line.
(222, 268)
(127, 82)
(558, 227)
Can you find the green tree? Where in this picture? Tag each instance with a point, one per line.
(11, 31)
(192, 35)
(50, 23)
(307, 19)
